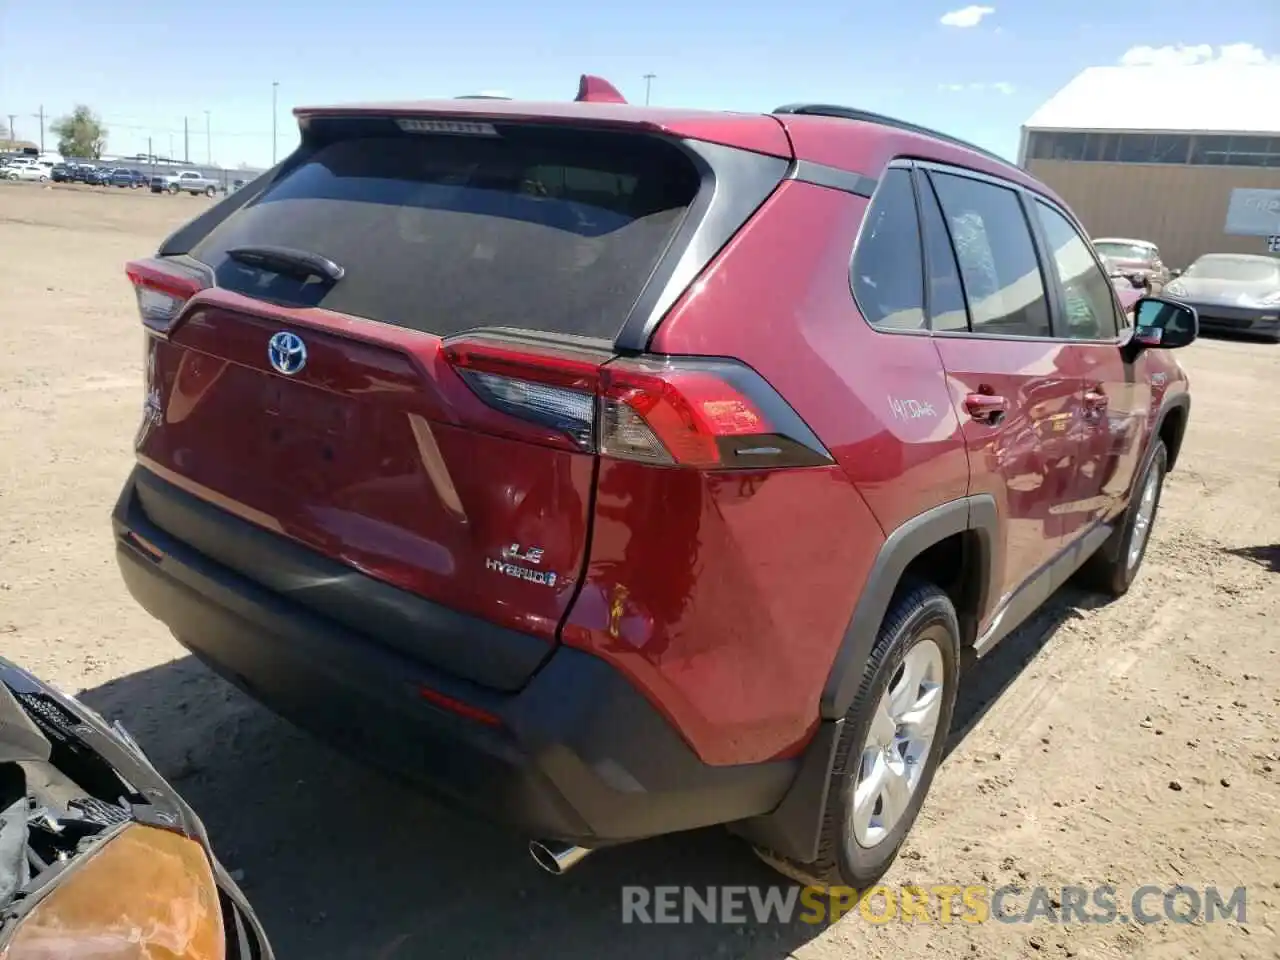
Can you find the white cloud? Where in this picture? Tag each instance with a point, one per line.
(969, 16)
(999, 86)
(1186, 55)
(1245, 53)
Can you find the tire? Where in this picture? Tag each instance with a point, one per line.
(1114, 568)
(921, 616)
(210, 192)
(174, 190)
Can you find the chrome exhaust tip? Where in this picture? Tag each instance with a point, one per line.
(556, 858)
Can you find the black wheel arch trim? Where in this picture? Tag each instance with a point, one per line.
(1180, 401)
(792, 829)
(973, 514)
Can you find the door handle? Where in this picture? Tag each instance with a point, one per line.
(985, 407)
(1095, 401)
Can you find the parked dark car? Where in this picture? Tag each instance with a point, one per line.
(99, 856)
(642, 469)
(62, 173)
(128, 178)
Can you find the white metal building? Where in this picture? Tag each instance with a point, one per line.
(1185, 156)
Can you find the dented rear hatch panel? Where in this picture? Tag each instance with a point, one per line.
(326, 414)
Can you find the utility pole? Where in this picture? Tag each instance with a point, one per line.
(40, 115)
(275, 86)
(648, 79)
(13, 134)
(186, 142)
(208, 139)
(151, 157)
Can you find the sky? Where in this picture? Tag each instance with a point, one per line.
(974, 71)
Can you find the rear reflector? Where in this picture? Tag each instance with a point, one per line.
(673, 411)
(143, 546)
(163, 289)
(466, 710)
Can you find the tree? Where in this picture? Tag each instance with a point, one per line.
(82, 134)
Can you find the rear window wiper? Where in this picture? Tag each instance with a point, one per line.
(290, 262)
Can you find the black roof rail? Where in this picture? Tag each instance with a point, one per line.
(866, 116)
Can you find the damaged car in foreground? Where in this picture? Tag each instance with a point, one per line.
(99, 856)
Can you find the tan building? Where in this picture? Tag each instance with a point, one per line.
(1186, 157)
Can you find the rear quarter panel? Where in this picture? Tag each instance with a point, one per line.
(723, 596)
(728, 602)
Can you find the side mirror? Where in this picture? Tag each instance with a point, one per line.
(1164, 323)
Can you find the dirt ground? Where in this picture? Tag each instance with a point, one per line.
(1131, 743)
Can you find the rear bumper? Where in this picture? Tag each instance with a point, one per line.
(576, 755)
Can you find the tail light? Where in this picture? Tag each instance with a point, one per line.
(691, 412)
(163, 289)
(457, 707)
(555, 389)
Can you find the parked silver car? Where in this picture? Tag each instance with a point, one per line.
(1236, 292)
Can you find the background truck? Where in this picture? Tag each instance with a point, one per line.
(184, 181)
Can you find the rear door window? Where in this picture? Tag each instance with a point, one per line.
(998, 264)
(536, 228)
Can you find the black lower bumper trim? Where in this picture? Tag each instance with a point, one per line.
(580, 755)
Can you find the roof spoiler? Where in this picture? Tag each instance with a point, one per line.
(592, 89)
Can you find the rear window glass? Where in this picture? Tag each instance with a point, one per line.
(538, 229)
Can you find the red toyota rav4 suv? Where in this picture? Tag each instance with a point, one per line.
(616, 471)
